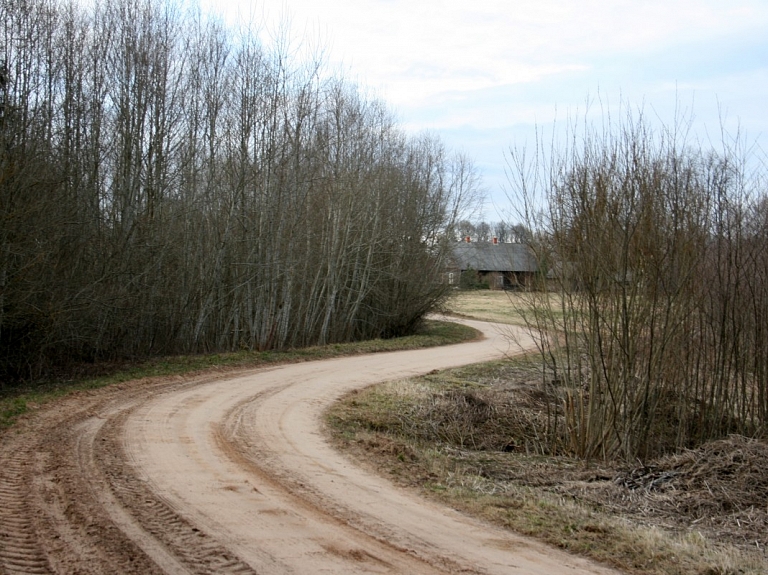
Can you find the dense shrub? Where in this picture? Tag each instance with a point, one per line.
(169, 185)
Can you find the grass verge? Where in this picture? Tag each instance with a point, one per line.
(466, 437)
(17, 401)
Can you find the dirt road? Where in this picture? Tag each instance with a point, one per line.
(232, 474)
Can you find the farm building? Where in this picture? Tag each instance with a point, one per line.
(500, 265)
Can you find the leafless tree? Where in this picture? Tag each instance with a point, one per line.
(650, 326)
(171, 185)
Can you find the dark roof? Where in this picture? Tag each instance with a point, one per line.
(489, 257)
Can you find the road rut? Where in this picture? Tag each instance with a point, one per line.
(233, 474)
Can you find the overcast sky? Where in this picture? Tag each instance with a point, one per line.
(483, 75)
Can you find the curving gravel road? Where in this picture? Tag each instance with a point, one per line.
(232, 474)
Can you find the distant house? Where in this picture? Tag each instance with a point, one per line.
(500, 265)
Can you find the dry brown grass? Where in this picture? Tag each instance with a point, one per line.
(468, 438)
(487, 305)
(503, 307)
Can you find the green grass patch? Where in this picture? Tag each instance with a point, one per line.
(10, 409)
(17, 401)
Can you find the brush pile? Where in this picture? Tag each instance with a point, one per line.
(721, 487)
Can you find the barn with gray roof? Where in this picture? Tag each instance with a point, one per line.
(500, 265)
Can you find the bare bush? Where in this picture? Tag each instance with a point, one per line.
(655, 253)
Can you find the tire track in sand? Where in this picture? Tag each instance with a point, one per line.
(232, 474)
(19, 548)
(246, 459)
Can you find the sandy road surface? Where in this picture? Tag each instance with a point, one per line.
(232, 475)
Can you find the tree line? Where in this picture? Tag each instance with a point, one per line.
(483, 231)
(169, 184)
(653, 314)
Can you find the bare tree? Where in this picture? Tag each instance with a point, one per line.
(170, 185)
(501, 232)
(483, 231)
(647, 328)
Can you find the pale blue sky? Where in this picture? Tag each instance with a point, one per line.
(484, 74)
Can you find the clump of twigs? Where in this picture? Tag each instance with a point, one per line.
(721, 486)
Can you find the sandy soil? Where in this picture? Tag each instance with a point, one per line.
(233, 474)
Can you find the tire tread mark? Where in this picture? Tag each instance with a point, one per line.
(197, 551)
(79, 534)
(20, 551)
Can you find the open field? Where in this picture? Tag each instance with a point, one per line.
(508, 307)
(486, 305)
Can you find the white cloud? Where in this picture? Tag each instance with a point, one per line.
(390, 42)
(499, 67)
